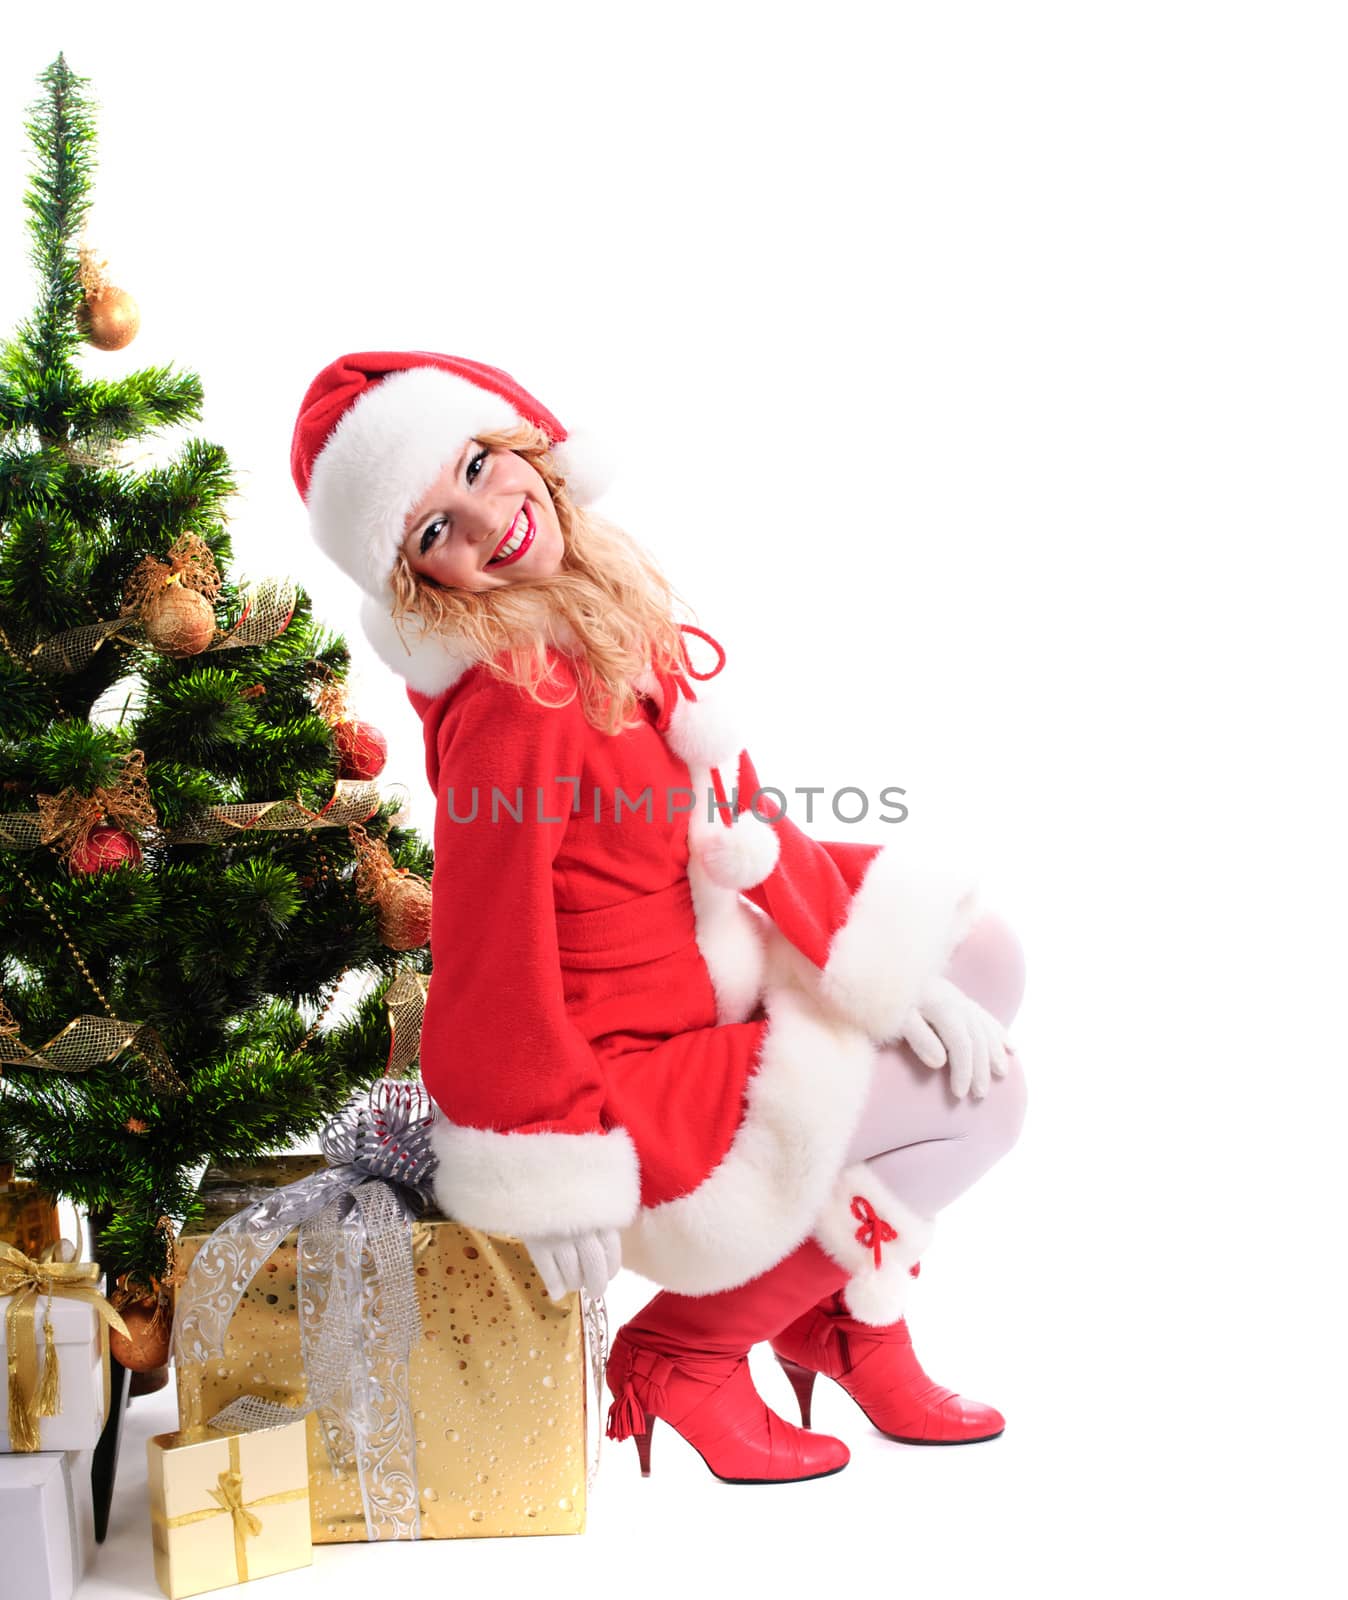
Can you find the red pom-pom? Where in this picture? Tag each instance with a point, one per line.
(361, 748)
(105, 848)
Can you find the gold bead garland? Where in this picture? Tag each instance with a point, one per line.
(106, 1040)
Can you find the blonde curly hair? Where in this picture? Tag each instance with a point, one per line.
(617, 604)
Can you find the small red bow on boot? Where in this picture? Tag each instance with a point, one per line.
(874, 1230)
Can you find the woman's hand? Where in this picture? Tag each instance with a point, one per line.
(947, 1025)
(567, 1262)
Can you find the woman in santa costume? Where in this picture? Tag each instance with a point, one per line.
(666, 1027)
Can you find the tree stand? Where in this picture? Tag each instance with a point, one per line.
(104, 1474)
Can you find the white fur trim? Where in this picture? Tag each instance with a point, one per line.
(873, 1294)
(535, 1183)
(429, 662)
(383, 455)
(585, 464)
(702, 732)
(729, 929)
(802, 1104)
(730, 941)
(901, 929)
(742, 855)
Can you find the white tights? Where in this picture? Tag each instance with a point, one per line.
(926, 1145)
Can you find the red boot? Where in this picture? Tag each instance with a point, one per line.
(685, 1358)
(878, 1368)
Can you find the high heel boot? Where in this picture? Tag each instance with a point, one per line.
(878, 1368)
(685, 1359)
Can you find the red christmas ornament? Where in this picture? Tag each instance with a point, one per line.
(361, 747)
(106, 847)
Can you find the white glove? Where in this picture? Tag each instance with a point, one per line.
(567, 1262)
(947, 1024)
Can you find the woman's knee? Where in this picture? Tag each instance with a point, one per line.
(1002, 1113)
(989, 965)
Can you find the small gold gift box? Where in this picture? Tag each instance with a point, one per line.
(227, 1507)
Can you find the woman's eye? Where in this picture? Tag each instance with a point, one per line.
(431, 534)
(475, 465)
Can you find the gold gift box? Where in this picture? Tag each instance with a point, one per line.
(28, 1218)
(497, 1379)
(226, 1507)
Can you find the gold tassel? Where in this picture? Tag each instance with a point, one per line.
(49, 1390)
(22, 1425)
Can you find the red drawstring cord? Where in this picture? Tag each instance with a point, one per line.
(874, 1230)
(673, 682)
(687, 627)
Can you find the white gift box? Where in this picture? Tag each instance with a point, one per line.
(82, 1350)
(46, 1523)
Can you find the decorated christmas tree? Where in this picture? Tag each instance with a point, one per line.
(193, 854)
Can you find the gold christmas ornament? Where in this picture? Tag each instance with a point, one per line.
(405, 913)
(402, 900)
(178, 621)
(110, 322)
(146, 1341)
(175, 599)
(107, 317)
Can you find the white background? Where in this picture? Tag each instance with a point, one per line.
(978, 374)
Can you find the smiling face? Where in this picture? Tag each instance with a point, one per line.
(486, 522)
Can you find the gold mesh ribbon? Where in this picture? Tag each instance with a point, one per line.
(401, 898)
(90, 1042)
(352, 800)
(25, 1281)
(231, 1500)
(267, 609)
(66, 820)
(405, 999)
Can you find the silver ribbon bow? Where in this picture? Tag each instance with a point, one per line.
(357, 1327)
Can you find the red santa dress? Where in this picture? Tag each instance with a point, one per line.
(653, 1011)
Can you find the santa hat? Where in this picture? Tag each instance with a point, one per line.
(375, 430)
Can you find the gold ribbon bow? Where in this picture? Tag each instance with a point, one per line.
(230, 1499)
(68, 818)
(25, 1281)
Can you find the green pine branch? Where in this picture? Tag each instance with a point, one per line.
(135, 405)
(61, 128)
